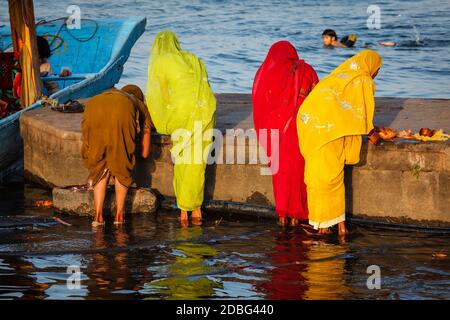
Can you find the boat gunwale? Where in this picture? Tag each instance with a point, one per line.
(129, 31)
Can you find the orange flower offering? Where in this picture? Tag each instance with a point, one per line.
(387, 134)
(374, 137)
(43, 204)
(426, 132)
(405, 134)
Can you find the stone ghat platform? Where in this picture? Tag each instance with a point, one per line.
(401, 182)
(81, 202)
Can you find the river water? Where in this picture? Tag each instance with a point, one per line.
(152, 257)
(233, 37)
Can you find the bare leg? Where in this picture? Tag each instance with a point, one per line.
(342, 231)
(197, 217)
(99, 200)
(184, 218)
(121, 194)
(294, 222)
(283, 221)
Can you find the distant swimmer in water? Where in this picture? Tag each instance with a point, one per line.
(330, 39)
(387, 43)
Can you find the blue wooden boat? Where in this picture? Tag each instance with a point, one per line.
(95, 54)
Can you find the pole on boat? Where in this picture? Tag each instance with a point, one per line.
(23, 33)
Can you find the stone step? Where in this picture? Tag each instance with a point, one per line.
(81, 202)
(396, 181)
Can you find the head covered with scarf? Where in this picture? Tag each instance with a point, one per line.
(280, 86)
(342, 104)
(180, 98)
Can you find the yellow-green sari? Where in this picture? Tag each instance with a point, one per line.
(182, 104)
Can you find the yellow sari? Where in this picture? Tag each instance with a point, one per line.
(330, 124)
(182, 104)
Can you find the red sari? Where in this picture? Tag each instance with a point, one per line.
(281, 84)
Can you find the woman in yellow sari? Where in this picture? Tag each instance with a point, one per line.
(330, 124)
(182, 104)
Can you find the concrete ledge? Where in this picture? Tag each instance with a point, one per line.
(139, 201)
(397, 181)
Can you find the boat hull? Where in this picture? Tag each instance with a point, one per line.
(91, 79)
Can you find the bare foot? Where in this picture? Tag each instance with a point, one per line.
(119, 220)
(98, 220)
(283, 221)
(96, 224)
(119, 217)
(324, 231)
(197, 214)
(294, 222)
(184, 219)
(197, 217)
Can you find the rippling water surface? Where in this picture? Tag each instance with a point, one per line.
(233, 37)
(151, 257)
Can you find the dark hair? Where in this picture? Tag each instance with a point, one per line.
(329, 32)
(43, 48)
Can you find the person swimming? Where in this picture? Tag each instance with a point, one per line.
(330, 39)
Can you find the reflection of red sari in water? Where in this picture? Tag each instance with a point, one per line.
(281, 84)
(286, 281)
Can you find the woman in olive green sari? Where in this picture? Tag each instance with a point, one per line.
(110, 126)
(182, 104)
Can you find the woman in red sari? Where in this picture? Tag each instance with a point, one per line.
(281, 84)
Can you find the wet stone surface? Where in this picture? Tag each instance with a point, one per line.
(81, 202)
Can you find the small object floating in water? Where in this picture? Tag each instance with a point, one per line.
(217, 222)
(387, 43)
(62, 221)
(439, 255)
(43, 204)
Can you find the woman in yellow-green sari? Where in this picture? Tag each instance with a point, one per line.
(182, 104)
(330, 124)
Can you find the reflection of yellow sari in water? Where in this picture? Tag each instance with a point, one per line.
(325, 272)
(180, 100)
(330, 124)
(187, 276)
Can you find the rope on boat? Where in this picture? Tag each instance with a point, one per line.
(64, 26)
